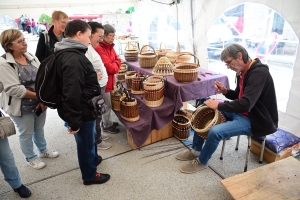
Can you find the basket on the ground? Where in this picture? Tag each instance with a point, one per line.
(122, 72)
(131, 52)
(137, 84)
(147, 59)
(163, 67)
(154, 91)
(128, 79)
(204, 118)
(186, 72)
(116, 95)
(181, 127)
(162, 51)
(129, 109)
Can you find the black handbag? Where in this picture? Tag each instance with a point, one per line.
(98, 106)
(7, 126)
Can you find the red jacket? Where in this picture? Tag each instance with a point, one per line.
(111, 62)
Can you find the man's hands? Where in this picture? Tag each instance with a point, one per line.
(220, 87)
(211, 103)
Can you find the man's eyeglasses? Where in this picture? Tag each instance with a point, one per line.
(20, 41)
(228, 63)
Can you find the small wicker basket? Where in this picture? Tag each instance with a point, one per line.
(154, 91)
(116, 95)
(204, 118)
(137, 84)
(128, 79)
(186, 72)
(181, 127)
(122, 72)
(129, 109)
(131, 52)
(163, 67)
(147, 59)
(162, 51)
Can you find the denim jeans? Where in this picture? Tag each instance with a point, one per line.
(8, 166)
(31, 129)
(87, 150)
(236, 124)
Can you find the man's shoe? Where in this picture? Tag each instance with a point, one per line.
(23, 191)
(36, 164)
(99, 160)
(104, 137)
(192, 167)
(98, 179)
(115, 124)
(112, 129)
(49, 154)
(186, 155)
(104, 145)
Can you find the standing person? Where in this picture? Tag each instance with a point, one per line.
(112, 64)
(23, 22)
(34, 31)
(253, 108)
(78, 82)
(40, 28)
(45, 45)
(18, 99)
(95, 59)
(28, 25)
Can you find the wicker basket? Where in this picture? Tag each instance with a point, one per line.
(163, 67)
(154, 91)
(122, 72)
(181, 127)
(137, 84)
(162, 51)
(128, 79)
(131, 52)
(172, 56)
(147, 59)
(204, 118)
(186, 72)
(129, 109)
(116, 95)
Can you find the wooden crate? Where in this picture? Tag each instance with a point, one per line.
(155, 136)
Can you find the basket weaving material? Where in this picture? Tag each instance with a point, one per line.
(163, 67)
(122, 72)
(128, 79)
(162, 51)
(147, 59)
(137, 84)
(129, 109)
(181, 127)
(186, 72)
(204, 118)
(131, 52)
(154, 91)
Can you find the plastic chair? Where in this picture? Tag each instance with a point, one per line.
(248, 150)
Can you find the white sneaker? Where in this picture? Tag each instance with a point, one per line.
(104, 137)
(104, 145)
(49, 154)
(36, 164)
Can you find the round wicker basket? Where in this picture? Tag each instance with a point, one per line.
(129, 109)
(186, 72)
(162, 51)
(154, 91)
(137, 84)
(147, 59)
(204, 118)
(128, 79)
(163, 67)
(181, 127)
(122, 72)
(131, 52)
(116, 95)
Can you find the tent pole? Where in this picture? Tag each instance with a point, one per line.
(193, 34)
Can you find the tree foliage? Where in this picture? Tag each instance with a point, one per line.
(46, 18)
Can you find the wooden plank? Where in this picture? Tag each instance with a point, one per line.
(278, 180)
(132, 143)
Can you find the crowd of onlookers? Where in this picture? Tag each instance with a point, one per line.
(28, 24)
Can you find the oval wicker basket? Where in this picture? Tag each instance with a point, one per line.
(128, 79)
(137, 84)
(147, 59)
(163, 67)
(129, 109)
(181, 127)
(204, 118)
(131, 54)
(154, 91)
(122, 72)
(186, 72)
(162, 51)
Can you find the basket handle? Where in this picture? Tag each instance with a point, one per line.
(163, 44)
(129, 44)
(178, 47)
(188, 54)
(147, 52)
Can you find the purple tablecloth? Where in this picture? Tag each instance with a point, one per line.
(175, 94)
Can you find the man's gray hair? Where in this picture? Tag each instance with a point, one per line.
(233, 50)
(108, 29)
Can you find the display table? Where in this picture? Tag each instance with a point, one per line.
(278, 180)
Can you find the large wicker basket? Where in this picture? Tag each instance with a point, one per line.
(154, 91)
(162, 51)
(147, 59)
(181, 127)
(137, 84)
(186, 72)
(128, 79)
(116, 95)
(129, 109)
(204, 118)
(163, 67)
(131, 52)
(122, 72)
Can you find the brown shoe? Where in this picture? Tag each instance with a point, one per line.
(192, 167)
(186, 155)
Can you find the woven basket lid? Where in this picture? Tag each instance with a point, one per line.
(163, 67)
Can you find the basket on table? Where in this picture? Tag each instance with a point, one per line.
(129, 109)
(204, 118)
(137, 84)
(128, 79)
(122, 72)
(163, 67)
(116, 95)
(181, 127)
(186, 72)
(172, 56)
(162, 51)
(154, 91)
(131, 52)
(147, 59)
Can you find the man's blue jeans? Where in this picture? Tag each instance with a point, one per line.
(87, 150)
(236, 124)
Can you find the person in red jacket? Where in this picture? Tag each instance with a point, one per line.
(112, 63)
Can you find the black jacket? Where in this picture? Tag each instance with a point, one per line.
(259, 99)
(42, 51)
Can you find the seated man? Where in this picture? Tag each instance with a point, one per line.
(253, 109)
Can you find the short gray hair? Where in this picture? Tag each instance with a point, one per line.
(233, 50)
(108, 29)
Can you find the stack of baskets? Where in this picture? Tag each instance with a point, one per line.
(186, 72)
(204, 118)
(147, 59)
(131, 52)
(137, 84)
(154, 91)
(116, 95)
(181, 127)
(162, 51)
(128, 79)
(129, 109)
(122, 72)
(163, 67)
